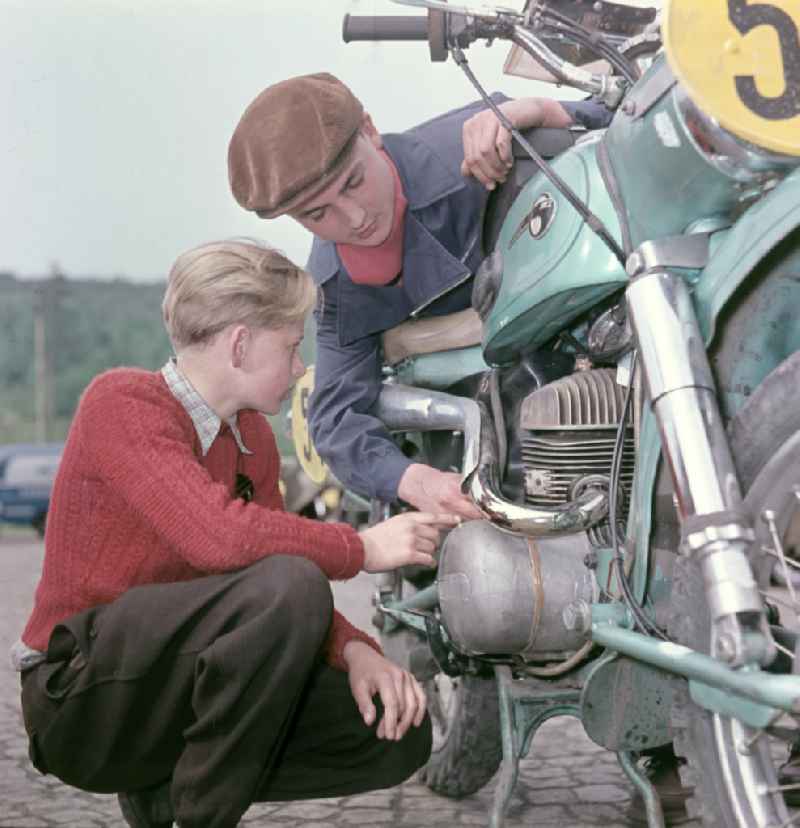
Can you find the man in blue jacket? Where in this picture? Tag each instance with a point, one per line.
(397, 231)
(397, 223)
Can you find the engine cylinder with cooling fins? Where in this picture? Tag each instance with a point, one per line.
(567, 433)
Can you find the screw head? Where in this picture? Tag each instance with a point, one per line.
(634, 264)
(577, 616)
(726, 647)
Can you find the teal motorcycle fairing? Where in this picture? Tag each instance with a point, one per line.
(554, 267)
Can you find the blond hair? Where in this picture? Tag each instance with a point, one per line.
(232, 282)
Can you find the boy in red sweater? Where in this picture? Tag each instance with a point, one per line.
(183, 649)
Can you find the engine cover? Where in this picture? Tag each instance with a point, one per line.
(502, 593)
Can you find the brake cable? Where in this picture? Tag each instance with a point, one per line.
(599, 228)
(592, 42)
(594, 223)
(645, 624)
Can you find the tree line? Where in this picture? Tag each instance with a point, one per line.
(63, 332)
(87, 326)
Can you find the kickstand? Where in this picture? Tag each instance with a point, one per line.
(652, 803)
(523, 708)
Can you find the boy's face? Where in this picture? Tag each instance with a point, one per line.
(271, 365)
(358, 206)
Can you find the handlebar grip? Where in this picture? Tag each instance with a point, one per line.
(384, 27)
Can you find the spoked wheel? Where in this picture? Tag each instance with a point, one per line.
(733, 767)
(467, 746)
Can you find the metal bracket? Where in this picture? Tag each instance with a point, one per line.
(649, 91)
(684, 252)
(443, 654)
(428, 624)
(392, 606)
(522, 711)
(415, 619)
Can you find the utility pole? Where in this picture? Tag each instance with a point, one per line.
(46, 296)
(40, 387)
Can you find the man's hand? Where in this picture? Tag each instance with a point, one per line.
(401, 694)
(410, 538)
(487, 144)
(431, 490)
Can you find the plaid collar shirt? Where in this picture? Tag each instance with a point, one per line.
(206, 423)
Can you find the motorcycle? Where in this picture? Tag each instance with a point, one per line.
(623, 402)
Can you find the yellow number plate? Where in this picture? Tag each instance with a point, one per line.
(304, 448)
(740, 62)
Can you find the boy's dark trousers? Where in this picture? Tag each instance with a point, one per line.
(217, 684)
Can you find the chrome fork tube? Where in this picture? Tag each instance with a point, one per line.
(682, 392)
(683, 397)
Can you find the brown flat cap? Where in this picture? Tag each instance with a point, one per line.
(291, 142)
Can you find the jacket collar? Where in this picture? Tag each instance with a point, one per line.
(428, 272)
(426, 177)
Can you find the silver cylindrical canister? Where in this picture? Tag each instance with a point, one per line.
(504, 593)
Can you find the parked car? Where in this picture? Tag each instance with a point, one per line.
(27, 471)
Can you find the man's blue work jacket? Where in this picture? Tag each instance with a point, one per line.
(441, 251)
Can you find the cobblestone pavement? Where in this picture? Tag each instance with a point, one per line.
(568, 783)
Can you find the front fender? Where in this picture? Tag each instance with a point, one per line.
(757, 232)
(746, 297)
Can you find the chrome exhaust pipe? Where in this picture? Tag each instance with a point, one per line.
(536, 521)
(404, 408)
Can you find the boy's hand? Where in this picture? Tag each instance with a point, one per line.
(401, 694)
(410, 538)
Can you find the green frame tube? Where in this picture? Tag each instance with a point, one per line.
(425, 599)
(771, 689)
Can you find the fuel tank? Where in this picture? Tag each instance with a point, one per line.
(554, 267)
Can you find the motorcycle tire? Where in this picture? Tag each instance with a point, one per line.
(467, 745)
(732, 787)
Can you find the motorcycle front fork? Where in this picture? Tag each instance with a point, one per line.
(715, 528)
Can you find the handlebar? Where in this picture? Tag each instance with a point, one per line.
(400, 27)
(385, 27)
(459, 26)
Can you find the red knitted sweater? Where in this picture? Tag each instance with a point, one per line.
(135, 502)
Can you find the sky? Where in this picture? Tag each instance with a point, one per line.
(116, 117)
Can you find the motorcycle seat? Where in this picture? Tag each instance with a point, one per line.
(430, 335)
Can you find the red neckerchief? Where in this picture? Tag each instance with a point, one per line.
(379, 265)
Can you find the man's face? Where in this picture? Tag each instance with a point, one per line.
(358, 206)
(271, 366)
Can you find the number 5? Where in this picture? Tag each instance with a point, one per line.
(745, 17)
(308, 446)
